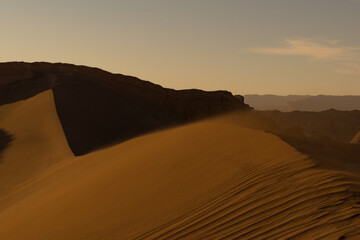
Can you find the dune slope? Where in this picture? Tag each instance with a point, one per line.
(356, 138)
(38, 140)
(207, 180)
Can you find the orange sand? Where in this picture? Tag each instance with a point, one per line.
(356, 138)
(38, 142)
(206, 180)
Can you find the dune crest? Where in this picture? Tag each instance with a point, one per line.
(207, 180)
(38, 140)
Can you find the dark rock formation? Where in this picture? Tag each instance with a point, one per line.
(325, 142)
(98, 108)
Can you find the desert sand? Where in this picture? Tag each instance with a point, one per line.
(38, 141)
(356, 138)
(212, 179)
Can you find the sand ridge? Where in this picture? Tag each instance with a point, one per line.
(38, 140)
(207, 180)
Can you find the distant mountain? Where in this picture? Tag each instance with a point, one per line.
(98, 108)
(272, 102)
(303, 102)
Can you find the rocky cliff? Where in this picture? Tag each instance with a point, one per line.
(98, 108)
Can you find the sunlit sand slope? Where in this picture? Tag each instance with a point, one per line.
(208, 180)
(38, 140)
(356, 138)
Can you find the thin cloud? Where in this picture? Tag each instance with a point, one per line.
(331, 50)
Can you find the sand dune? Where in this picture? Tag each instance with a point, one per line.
(38, 140)
(207, 180)
(356, 138)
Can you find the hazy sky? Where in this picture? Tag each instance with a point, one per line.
(245, 46)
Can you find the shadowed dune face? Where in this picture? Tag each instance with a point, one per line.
(339, 126)
(97, 108)
(329, 153)
(324, 136)
(5, 139)
(208, 180)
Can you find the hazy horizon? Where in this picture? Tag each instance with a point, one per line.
(278, 47)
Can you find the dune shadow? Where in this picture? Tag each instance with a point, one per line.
(5, 139)
(327, 152)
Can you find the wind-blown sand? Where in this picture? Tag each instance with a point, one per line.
(207, 180)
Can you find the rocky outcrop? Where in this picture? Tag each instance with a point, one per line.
(98, 108)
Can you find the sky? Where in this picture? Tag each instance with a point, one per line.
(244, 46)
